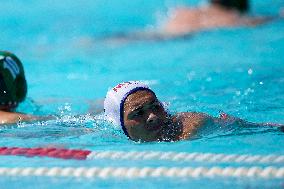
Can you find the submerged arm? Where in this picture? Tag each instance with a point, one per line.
(227, 119)
(259, 20)
(193, 123)
(263, 19)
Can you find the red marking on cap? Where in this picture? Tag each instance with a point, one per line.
(120, 85)
(223, 116)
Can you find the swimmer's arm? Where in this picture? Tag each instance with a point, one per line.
(262, 19)
(193, 121)
(258, 20)
(10, 117)
(225, 119)
(245, 123)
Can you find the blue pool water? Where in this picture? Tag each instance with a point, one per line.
(239, 71)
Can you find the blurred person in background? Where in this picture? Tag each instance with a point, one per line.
(183, 21)
(217, 14)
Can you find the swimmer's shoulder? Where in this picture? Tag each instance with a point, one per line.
(180, 12)
(192, 116)
(191, 122)
(13, 117)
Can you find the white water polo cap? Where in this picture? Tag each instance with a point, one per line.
(115, 98)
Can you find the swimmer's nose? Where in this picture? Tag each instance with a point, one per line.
(152, 118)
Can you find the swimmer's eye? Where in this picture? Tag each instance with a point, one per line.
(138, 113)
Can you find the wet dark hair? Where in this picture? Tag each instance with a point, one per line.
(240, 5)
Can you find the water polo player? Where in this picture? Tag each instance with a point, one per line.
(13, 88)
(217, 14)
(183, 21)
(135, 108)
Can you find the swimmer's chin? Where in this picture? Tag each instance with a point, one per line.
(156, 136)
(158, 140)
(160, 137)
(154, 128)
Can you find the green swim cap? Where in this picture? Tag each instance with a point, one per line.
(13, 85)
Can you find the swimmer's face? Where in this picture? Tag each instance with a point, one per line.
(144, 116)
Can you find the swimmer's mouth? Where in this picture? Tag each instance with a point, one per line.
(156, 127)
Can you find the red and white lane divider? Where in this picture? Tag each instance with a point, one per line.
(144, 172)
(143, 155)
(147, 172)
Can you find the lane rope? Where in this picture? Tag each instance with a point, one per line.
(143, 155)
(187, 157)
(146, 172)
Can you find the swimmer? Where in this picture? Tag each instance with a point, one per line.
(134, 107)
(13, 89)
(184, 21)
(218, 14)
